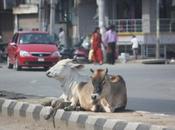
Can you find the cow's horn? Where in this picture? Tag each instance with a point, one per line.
(92, 70)
(78, 66)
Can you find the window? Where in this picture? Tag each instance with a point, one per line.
(129, 9)
(32, 38)
(62, 11)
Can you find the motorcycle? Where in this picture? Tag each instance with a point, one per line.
(82, 50)
(66, 52)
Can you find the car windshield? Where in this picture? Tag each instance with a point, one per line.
(36, 38)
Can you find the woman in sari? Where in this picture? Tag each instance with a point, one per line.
(96, 46)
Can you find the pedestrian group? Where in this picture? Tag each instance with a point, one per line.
(103, 49)
(97, 45)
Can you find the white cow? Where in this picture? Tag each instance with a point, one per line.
(67, 73)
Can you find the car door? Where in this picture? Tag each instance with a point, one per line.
(12, 48)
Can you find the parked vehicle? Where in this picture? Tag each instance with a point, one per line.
(3, 52)
(66, 52)
(80, 55)
(32, 49)
(82, 50)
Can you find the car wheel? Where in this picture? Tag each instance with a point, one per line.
(9, 65)
(17, 66)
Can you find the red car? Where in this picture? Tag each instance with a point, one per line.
(32, 49)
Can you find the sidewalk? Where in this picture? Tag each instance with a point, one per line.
(2, 64)
(131, 60)
(149, 61)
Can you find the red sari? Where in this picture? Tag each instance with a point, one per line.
(96, 46)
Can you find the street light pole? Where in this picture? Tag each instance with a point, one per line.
(157, 30)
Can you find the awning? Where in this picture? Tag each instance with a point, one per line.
(25, 9)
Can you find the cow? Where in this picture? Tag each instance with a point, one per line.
(109, 90)
(68, 74)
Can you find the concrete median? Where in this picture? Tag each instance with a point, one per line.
(75, 120)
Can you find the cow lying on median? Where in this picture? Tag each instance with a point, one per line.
(68, 74)
(72, 82)
(109, 90)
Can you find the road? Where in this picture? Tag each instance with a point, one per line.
(149, 87)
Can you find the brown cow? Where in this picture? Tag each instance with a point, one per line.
(102, 93)
(109, 90)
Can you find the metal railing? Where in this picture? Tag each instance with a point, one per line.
(127, 25)
(135, 25)
(167, 25)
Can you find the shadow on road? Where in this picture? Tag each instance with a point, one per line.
(4, 65)
(33, 69)
(152, 105)
(16, 96)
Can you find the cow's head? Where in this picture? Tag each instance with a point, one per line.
(63, 69)
(100, 83)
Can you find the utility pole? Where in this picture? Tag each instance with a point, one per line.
(101, 16)
(157, 30)
(41, 15)
(16, 25)
(52, 16)
(5, 4)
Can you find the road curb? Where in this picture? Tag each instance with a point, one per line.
(70, 120)
(154, 61)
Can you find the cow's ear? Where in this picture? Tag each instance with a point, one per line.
(92, 70)
(77, 66)
(114, 78)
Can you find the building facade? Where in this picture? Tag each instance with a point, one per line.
(80, 17)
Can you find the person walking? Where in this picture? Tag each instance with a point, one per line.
(135, 46)
(110, 40)
(96, 46)
(62, 38)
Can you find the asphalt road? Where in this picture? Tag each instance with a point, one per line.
(149, 87)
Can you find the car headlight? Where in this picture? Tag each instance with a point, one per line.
(24, 53)
(56, 54)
